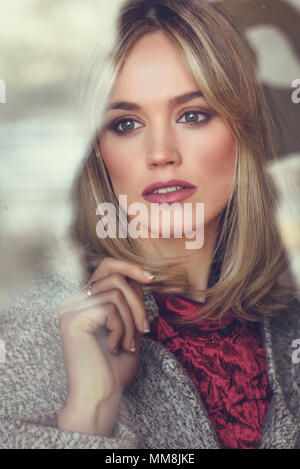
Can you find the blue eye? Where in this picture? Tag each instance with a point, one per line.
(195, 114)
(127, 123)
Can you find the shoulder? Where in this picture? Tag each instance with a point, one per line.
(285, 335)
(36, 304)
(285, 326)
(290, 315)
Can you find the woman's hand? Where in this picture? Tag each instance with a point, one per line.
(93, 327)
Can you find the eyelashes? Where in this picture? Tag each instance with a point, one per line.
(206, 116)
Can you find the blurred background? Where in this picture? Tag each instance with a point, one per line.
(43, 47)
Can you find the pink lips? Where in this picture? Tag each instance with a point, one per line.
(176, 196)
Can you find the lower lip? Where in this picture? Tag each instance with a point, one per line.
(171, 197)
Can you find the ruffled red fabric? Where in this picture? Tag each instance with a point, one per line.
(226, 362)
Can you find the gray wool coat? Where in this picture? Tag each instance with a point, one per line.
(160, 409)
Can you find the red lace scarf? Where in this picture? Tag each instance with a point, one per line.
(227, 364)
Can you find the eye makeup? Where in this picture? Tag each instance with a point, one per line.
(206, 112)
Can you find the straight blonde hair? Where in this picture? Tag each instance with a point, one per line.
(248, 256)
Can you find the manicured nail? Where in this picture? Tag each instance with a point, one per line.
(132, 349)
(148, 275)
(146, 326)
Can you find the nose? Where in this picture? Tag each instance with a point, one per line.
(161, 153)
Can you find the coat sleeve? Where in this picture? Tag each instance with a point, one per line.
(32, 385)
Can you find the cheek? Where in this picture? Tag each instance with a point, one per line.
(216, 153)
(116, 162)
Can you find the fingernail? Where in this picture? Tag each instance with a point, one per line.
(148, 275)
(132, 349)
(146, 326)
(115, 351)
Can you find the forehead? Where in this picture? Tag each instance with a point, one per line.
(154, 68)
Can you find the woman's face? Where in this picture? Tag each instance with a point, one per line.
(156, 137)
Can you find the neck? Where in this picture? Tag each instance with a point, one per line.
(196, 261)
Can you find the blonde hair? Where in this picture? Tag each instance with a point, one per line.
(249, 255)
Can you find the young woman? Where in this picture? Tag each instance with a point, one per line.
(171, 345)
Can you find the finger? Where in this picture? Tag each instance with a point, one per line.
(92, 320)
(69, 300)
(116, 333)
(116, 297)
(137, 287)
(74, 298)
(134, 296)
(110, 265)
(111, 336)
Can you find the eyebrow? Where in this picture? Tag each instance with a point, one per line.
(128, 106)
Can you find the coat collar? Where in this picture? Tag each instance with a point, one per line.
(281, 428)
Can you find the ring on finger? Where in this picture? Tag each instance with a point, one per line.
(89, 288)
